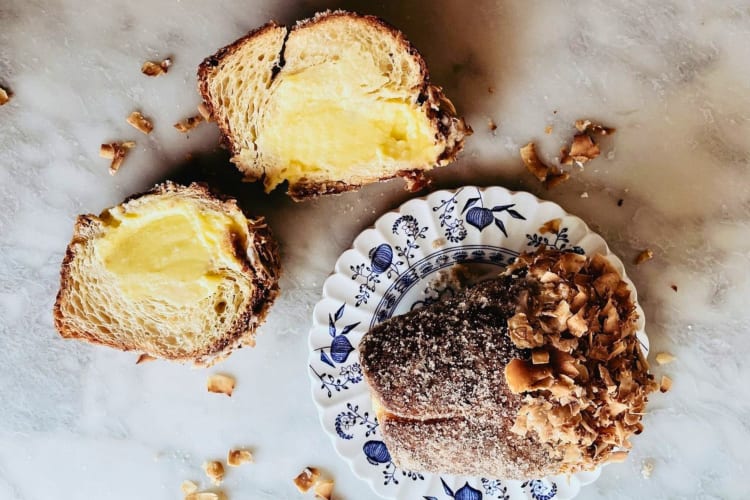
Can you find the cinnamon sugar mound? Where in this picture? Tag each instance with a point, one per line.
(586, 402)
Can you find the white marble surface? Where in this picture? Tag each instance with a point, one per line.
(78, 422)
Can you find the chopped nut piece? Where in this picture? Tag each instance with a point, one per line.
(222, 384)
(492, 125)
(533, 163)
(305, 479)
(324, 489)
(548, 129)
(151, 68)
(594, 128)
(664, 358)
(235, 458)
(140, 122)
(188, 123)
(144, 358)
(214, 471)
(644, 256)
(115, 151)
(188, 487)
(555, 178)
(204, 112)
(647, 468)
(551, 226)
(666, 383)
(581, 151)
(206, 495)
(539, 357)
(4, 97)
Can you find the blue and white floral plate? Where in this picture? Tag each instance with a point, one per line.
(394, 267)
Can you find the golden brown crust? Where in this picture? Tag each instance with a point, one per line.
(264, 276)
(451, 130)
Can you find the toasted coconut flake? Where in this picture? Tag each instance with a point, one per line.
(235, 458)
(206, 495)
(533, 163)
(644, 256)
(115, 151)
(188, 124)
(618, 456)
(666, 383)
(220, 383)
(140, 122)
(144, 358)
(204, 112)
(539, 357)
(151, 68)
(4, 97)
(551, 226)
(584, 126)
(582, 150)
(555, 177)
(188, 487)
(215, 471)
(664, 358)
(324, 489)
(306, 479)
(548, 129)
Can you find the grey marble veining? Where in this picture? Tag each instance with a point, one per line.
(79, 422)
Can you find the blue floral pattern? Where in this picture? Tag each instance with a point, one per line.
(352, 417)
(561, 241)
(540, 489)
(495, 488)
(474, 213)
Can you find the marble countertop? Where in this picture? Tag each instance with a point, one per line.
(79, 422)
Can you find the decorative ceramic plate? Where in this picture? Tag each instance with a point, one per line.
(401, 264)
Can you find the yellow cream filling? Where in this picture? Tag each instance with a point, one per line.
(168, 250)
(322, 123)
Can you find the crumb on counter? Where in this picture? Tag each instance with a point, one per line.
(144, 358)
(115, 151)
(666, 383)
(4, 96)
(188, 123)
(235, 458)
(306, 479)
(140, 122)
(664, 358)
(152, 68)
(644, 256)
(324, 489)
(221, 384)
(215, 471)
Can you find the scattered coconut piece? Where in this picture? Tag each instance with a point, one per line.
(188, 487)
(555, 178)
(492, 125)
(221, 384)
(584, 126)
(666, 383)
(647, 468)
(582, 150)
(539, 357)
(548, 129)
(551, 226)
(585, 194)
(674, 287)
(620, 202)
(215, 471)
(188, 123)
(644, 256)
(206, 495)
(4, 97)
(144, 358)
(151, 68)
(306, 479)
(618, 456)
(235, 458)
(140, 122)
(533, 163)
(115, 151)
(664, 358)
(324, 489)
(204, 112)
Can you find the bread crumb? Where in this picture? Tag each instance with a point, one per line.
(492, 125)
(647, 468)
(666, 383)
(585, 194)
(644, 256)
(551, 226)
(235, 458)
(221, 384)
(324, 489)
(151, 68)
(144, 358)
(204, 112)
(188, 487)
(206, 495)
(664, 358)
(548, 129)
(582, 150)
(115, 151)
(4, 96)
(188, 123)
(215, 471)
(306, 479)
(140, 122)
(533, 163)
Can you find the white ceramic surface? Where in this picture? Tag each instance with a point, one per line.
(79, 422)
(405, 261)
